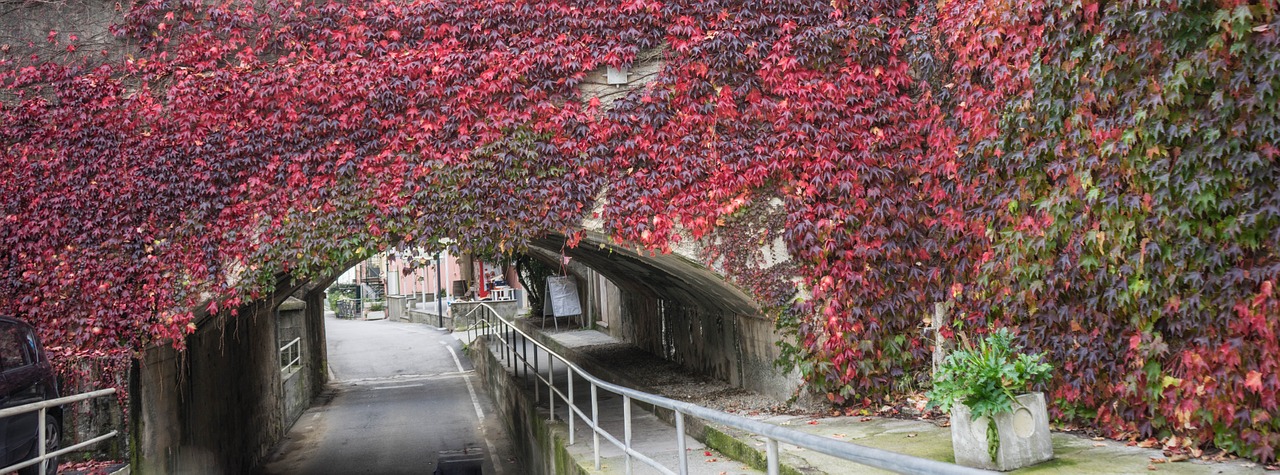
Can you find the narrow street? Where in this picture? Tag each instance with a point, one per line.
(403, 398)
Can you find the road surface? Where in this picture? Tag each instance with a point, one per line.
(402, 397)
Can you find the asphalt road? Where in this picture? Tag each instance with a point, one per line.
(403, 399)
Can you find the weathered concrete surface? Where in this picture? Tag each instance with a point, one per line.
(296, 383)
(1073, 454)
(25, 27)
(216, 408)
(465, 313)
(397, 308)
(221, 405)
(539, 446)
(1023, 436)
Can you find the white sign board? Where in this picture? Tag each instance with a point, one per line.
(562, 295)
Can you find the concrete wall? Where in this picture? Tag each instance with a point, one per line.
(603, 303)
(220, 406)
(85, 420)
(700, 340)
(24, 28)
(214, 408)
(463, 315)
(732, 347)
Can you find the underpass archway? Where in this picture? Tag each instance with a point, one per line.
(222, 404)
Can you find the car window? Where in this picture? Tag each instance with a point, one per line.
(13, 353)
(33, 351)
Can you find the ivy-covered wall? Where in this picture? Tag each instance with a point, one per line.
(1102, 176)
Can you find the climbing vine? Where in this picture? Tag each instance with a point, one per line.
(1099, 176)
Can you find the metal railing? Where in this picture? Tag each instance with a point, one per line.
(507, 333)
(291, 354)
(348, 308)
(41, 434)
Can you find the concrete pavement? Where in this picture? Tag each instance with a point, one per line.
(401, 395)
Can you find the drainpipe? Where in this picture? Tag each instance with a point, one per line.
(423, 279)
(439, 299)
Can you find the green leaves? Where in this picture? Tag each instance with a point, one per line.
(988, 377)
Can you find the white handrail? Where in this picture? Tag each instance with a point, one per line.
(41, 435)
(773, 434)
(296, 353)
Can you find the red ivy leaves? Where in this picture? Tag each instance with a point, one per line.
(244, 142)
(907, 153)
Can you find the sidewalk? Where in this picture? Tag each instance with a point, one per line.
(1073, 454)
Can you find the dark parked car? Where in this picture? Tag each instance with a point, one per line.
(26, 376)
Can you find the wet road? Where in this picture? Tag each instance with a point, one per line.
(400, 395)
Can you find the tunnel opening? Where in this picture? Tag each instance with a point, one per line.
(675, 308)
(244, 380)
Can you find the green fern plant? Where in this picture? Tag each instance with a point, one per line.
(987, 378)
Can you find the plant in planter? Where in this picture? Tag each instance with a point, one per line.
(996, 423)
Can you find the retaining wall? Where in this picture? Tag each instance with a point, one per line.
(221, 405)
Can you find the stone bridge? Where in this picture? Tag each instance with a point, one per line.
(220, 406)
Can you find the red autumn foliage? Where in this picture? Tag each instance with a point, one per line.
(1099, 176)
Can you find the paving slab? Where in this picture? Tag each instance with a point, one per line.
(1073, 454)
(582, 338)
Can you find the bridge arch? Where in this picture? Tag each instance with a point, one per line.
(224, 402)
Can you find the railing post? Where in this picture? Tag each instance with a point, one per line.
(569, 374)
(681, 451)
(537, 396)
(551, 387)
(41, 435)
(595, 424)
(626, 429)
(771, 446)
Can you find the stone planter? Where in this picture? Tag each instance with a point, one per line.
(1024, 436)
